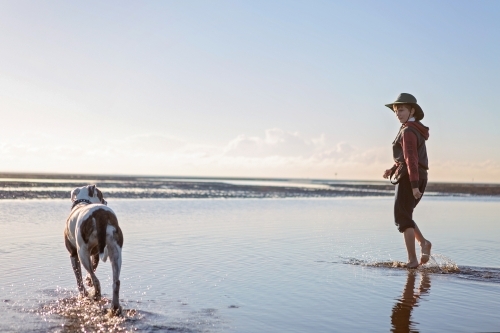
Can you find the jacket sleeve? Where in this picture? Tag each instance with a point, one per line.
(410, 154)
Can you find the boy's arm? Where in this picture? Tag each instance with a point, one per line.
(390, 171)
(410, 154)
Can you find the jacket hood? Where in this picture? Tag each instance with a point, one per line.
(424, 130)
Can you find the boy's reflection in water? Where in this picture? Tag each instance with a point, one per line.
(401, 312)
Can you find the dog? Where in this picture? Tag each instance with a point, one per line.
(92, 232)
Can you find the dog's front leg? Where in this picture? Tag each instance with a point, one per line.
(75, 262)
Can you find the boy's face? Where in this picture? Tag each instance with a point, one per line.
(403, 112)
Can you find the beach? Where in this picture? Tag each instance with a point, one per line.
(228, 166)
(55, 186)
(286, 264)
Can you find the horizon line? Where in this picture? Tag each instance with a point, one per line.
(52, 175)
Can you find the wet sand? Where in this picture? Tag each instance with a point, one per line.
(57, 186)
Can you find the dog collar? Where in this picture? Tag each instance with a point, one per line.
(80, 201)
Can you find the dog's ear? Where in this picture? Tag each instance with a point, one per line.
(91, 190)
(100, 196)
(74, 193)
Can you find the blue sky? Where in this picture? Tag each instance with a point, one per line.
(246, 88)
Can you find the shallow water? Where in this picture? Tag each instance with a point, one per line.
(249, 265)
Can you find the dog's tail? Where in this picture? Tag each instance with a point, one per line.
(103, 218)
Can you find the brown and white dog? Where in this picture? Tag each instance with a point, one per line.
(91, 232)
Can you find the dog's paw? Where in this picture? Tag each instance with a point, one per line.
(84, 294)
(94, 295)
(113, 312)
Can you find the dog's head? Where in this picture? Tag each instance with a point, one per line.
(90, 193)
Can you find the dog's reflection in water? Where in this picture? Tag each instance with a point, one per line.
(401, 312)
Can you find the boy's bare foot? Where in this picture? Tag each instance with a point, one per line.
(412, 265)
(426, 252)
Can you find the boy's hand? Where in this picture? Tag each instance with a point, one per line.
(387, 173)
(416, 193)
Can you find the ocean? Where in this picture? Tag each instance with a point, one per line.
(303, 264)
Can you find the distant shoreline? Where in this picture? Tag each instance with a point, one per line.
(58, 186)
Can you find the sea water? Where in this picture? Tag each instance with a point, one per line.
(257, 265)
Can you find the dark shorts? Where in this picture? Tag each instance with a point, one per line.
(405, 202)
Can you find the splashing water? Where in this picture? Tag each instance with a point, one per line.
(439, 264)
(81, 312)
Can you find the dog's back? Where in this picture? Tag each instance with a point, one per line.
(106, 225)
(88, 226)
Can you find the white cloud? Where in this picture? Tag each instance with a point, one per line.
(275, 142)
(276, 153)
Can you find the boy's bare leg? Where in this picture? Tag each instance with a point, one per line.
(409, 235)
(425, 246)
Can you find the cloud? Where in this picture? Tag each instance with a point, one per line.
(276, 142)
(275, 153)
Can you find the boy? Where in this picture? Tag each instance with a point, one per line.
(410, 170)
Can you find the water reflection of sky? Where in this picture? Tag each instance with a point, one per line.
(260, 265)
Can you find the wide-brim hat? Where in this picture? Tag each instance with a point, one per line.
(405, 98)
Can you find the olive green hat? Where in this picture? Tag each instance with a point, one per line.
(405, 98)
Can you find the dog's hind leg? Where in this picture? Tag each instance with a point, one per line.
(86, 262)
(114, 238)
(95, 263)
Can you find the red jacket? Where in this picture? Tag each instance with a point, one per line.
(409, 148)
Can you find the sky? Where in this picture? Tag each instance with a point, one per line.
(277, 89)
